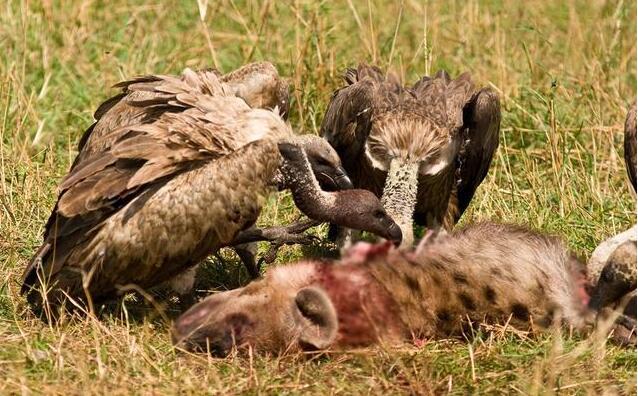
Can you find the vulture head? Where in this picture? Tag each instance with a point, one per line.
(325, 163)
(358, 209)
(617, 278)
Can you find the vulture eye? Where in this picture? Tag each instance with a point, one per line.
(379, 214)
(322, 161)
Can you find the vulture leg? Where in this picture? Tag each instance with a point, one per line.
(245, 244)
(624, 329)
(246, 253)
(343, 237)
(482, 120)
(630, 145)
(184, 283)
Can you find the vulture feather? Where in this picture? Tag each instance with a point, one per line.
(423, 148)
(611, 269)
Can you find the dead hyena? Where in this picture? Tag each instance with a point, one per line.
(486, 272)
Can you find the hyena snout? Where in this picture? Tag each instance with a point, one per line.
(268, 321)
(206, 327)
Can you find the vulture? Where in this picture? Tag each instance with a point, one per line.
(630, 144)
(174, 168)
(258, 84)
(611, 269)
(605, 250)
(423, 148)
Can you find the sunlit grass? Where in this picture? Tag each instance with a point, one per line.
(565, 72)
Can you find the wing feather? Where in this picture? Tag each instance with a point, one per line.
(482, 120)
(346, 124)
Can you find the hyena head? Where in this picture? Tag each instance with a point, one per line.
(278, 313)
(310, 305)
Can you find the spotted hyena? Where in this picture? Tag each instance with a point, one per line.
(485, 273)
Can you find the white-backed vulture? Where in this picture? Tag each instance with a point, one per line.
(611, 270)
(259, 84)
(170, 187)
(424, 149)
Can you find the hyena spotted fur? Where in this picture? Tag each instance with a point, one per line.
(488, 272)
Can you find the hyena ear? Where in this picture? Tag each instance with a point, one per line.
(317, 318)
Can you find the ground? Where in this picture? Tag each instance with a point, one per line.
(565, 72)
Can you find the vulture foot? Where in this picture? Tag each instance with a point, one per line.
(624, 333)
(289, 235)
(244, 243)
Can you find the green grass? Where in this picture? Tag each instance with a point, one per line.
(566, 73)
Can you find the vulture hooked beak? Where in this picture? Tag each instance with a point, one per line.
(325, 164)
(331, 178)
(394, 235)
(341, 180)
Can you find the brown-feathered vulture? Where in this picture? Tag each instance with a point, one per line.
(611, 269)
(423, 148)
(259, 84)
(183, 170)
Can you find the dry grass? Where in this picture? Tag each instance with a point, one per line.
(565, 72)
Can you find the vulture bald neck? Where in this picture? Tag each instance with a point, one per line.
(358, 209)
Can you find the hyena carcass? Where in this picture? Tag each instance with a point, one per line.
(487, 272)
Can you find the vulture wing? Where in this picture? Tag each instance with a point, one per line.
(144, 99)
(481, 121)
(442, 99)
(260, 85)
(192, 128)
(141, 101)
(346, 124)
(630, 144)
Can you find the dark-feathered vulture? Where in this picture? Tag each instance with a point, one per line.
(173, 169)
(630, 144)
(424, 149)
